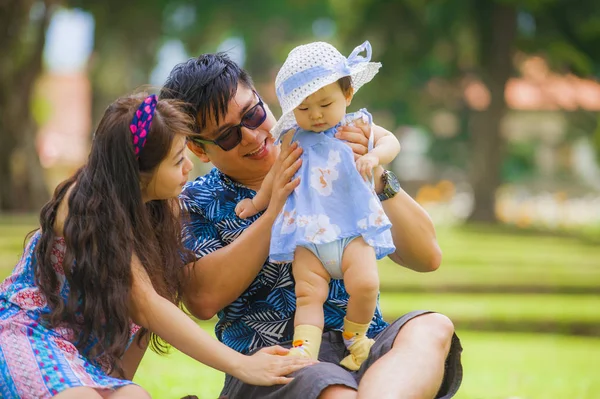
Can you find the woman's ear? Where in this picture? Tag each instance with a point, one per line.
(198, 151)
(349, 96)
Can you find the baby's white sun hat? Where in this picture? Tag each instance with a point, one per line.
(313, 66)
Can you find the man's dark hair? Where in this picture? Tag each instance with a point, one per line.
(206, 84)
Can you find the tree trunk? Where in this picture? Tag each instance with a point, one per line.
(498, 24)
(22, 185)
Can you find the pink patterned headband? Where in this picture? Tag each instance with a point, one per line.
(140, 124)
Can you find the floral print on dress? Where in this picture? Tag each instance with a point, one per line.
(376, 218)
(322, 178)
(320, 230)
(332, 200)
(29, 299)
(34, 359)
(288, 224)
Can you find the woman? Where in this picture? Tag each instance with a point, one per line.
(105, 268)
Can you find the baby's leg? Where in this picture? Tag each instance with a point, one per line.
(361, 279)
(312, 288)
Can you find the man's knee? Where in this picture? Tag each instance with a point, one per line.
(436, 328)
(330, 381)
(338, 392)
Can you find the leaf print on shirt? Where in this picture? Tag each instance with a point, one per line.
(320, 230)
(321, 178)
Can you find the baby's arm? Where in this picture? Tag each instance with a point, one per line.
(251, 206)
(386, 147)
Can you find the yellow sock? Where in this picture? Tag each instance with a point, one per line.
(355, 338)
(306, 342)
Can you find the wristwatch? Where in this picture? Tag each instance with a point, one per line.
(391, 185)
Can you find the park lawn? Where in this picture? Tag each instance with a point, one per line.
(480, 259)
(496, 366)
(498, 307)
(473, 259)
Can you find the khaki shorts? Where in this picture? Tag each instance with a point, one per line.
(309, 382)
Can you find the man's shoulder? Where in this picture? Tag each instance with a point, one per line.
(196, 194)
(213, 195)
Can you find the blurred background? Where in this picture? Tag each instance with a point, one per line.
(496, 105)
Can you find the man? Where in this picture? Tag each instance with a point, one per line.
(417, 356)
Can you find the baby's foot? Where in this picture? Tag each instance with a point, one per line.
(300, 349)
(359, 351)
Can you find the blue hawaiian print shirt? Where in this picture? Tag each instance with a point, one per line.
(263, 315)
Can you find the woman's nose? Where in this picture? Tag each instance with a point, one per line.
(188, 166)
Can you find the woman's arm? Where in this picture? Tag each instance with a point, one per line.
(150, 310)
(132, 358)
(412, 229)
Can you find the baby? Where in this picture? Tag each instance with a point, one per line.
(332, 225)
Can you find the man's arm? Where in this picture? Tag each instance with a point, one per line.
(412, 229)
(220, 277)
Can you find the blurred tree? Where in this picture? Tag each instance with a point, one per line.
(129, 35)
(430, 49)
(596, 141)
(23, 26)
(126, 40)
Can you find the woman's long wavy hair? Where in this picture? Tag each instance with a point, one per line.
(107, 223)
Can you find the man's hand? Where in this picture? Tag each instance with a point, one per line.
(356, 137)
(284, 169)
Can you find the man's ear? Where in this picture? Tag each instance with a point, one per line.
(349, 96)
(198, 151)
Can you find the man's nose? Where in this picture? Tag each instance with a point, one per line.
(249, 136)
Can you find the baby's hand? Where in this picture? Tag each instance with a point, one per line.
(365, 165)
(245, 208)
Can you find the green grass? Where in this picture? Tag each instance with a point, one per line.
(484, 258)
(507, 307)
(529, 366)
(496, 366)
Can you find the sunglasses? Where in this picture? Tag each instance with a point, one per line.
(232, 136)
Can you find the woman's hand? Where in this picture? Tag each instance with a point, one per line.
(269, 366)
(284, 169)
